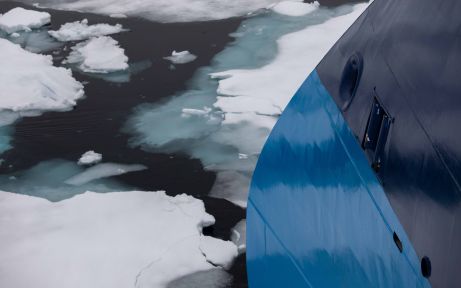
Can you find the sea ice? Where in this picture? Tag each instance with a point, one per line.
(218, 252)
(31, 84)
(19, 19)
(103, 170)
(104, 240)
(182, 57)
(295, 8)
(98, 55)
(165, 10)
(80, 30)
(90, 157)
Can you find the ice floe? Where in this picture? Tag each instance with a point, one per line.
(109, 240)
(98, 55)
(80, 30)
(103, 170)
(118, 15)
(165, 10)
(295, 8)
(182, 57)
(30, 84)
(90, 157)
(254, 78)
(20, 19)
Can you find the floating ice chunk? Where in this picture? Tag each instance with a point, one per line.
(243, 156)
(30, 83)
(14, 35)
(182, 57)
(238, 235)
(80, 30)
(90, 157)
(119, 240)
(98, 55)
(218, 252)
(295, 8)
(20, 19)
(118, 15)
(103, 170)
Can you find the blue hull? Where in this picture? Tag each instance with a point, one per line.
(317, 214)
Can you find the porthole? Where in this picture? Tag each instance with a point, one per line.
(426, 267)
(350, 80)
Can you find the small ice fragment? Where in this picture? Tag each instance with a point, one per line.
(187, 112)
(182, 57)
(14, 35)
(20, 19)
(99, 55)
(90, 157)
(103, 170)
(80, 30)
(243, 156)
(218, 252)
(295, 9)
(238, 235)
(118, 15)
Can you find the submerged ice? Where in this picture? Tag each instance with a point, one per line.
(224, 120)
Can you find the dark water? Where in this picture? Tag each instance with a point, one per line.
(97, 120)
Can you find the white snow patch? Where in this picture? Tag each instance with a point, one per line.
(103, 170)
(218, 252)
(104, 240)
(182, 57)
(80, 30)
(30, 83)
(99, 55)
(295, 9)
(20, 19)
(90, 157)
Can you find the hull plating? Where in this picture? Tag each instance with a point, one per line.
(317, 215)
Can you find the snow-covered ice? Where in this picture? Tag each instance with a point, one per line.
(90, 157)
(295, 8)
(30, 84)
(103, 170)
(80, 30)
(254, 78)
(20, 19)
(165, 10)
(182, 57)
(98, 55)
(218, 252)
(108, 240)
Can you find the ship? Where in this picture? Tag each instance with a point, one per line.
(359, 183)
